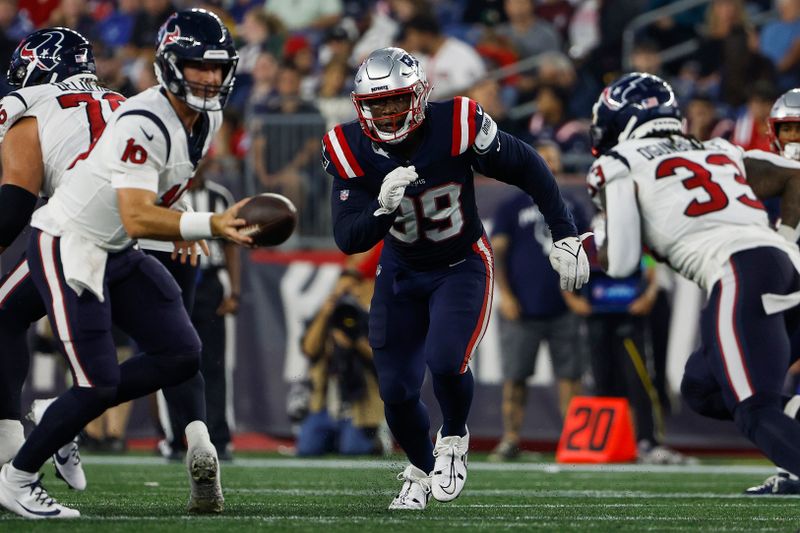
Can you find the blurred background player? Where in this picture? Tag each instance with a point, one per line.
(403, 174)
(783, 126)
(531, 306)
(217, 287)
(721, 240)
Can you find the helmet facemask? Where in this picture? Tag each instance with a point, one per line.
(390, 73)
(791, 149)
(198, 96)
(392, 127)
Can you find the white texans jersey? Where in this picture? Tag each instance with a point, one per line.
(690, 204)
(70, 116)
(144, 146)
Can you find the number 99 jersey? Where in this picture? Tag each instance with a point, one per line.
(70, 116)
(688, 202)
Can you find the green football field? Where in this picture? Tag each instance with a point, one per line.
(146, 494)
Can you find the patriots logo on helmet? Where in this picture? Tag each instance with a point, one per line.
(46, 54)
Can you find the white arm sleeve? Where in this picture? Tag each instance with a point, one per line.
(623, 228)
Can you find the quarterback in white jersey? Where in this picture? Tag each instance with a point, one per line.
(146, 147)
(84, 265)
(55, 113)
(690, 203)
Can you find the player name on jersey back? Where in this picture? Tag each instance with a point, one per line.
(696, 206)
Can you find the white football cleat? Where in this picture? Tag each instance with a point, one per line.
(204, 479)
(416, 490)
(30, 499)
(67, 459)
(450, 470)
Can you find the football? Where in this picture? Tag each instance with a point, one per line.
(271, 219)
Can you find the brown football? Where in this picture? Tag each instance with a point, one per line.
(271, 219)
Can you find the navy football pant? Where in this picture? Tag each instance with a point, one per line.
(435, 319)
(739, 369)
(20, 305)
(145, 303)
(186, 402)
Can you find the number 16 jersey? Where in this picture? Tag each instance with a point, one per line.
(144, 146)
(690, 203)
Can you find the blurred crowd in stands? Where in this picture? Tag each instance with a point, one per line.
(536, 66)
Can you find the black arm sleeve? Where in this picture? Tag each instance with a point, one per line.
(355, 228)
(512, 161)
(16, 207)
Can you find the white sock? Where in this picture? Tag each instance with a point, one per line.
(12, 437)
(17, 476)
(197, 434)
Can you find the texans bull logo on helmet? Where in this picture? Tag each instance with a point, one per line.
(46, 53)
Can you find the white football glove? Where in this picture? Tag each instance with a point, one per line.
(569, 259)
(393, 188)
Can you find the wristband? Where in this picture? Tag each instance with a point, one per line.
(196, 226)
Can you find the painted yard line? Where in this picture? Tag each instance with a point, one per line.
(405, 519)
(522, 493)
(367, 464)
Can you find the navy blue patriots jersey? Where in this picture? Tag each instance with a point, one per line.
(437, 221)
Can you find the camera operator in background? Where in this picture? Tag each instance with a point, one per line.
(345, 407)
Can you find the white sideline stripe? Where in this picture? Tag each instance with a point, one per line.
(726, 328)
(59, 308)
(397, 466)
(339, 153)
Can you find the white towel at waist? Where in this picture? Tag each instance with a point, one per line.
(84, 264)
(777, 303)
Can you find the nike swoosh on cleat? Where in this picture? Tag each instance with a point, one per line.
(54, 512)
(61, 460)
(452, 480)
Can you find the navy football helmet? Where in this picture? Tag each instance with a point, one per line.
(50, 55)
(195, 36)
(636, 105)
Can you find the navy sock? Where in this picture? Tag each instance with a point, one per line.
(13, 366)
(411, 426)
(454, 393)
(65, 417)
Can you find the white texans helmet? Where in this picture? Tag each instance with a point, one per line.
(785, 109)
(389, 73)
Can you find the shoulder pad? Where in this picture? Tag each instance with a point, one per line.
(607, 168)
(145, 127)
(465, 124)
(18, 104)
(719, 143)
(340, 153)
